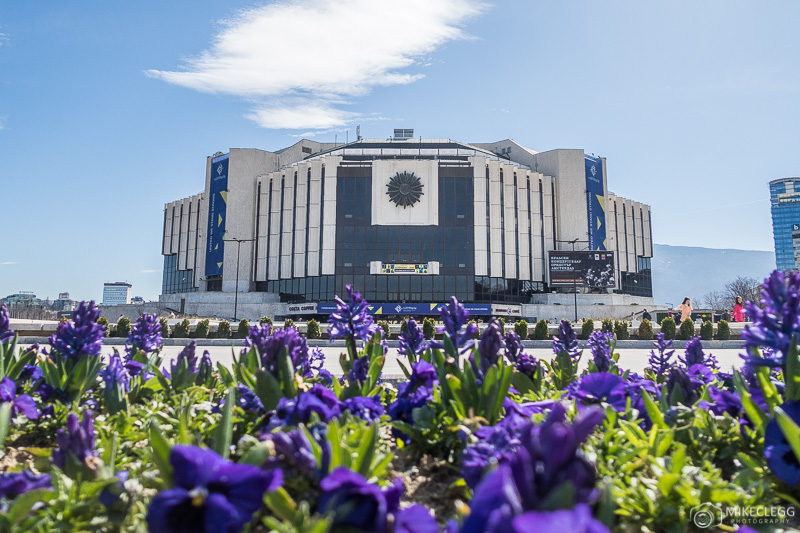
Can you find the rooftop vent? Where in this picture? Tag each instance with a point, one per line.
(403, 134)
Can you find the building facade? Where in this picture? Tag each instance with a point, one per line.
(784, 197)
(408, 222)
(118, 293)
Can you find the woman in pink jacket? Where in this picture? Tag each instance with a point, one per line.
(738, 309)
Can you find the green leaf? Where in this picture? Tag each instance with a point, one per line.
(16, 369)
(335, 441)
(223, 434)
(792, 373)
(225, 376)
(286, 374)
(790, 430)
(23, 504)
(366, 451)
(653, 411)
(256, 455)
(5, 418)
(268, 389)
(281, 504)
(161, 448)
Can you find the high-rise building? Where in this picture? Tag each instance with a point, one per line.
(784, 195)
(118, 293)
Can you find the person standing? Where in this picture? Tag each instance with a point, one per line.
(646, 315)
(738, 309)
(726, 315)
(686, 309)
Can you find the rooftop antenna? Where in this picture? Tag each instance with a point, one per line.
(347, 137)
(358, 132)
(335, 139)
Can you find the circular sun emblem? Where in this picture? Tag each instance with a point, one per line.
(404, 189)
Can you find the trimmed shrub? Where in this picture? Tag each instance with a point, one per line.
(428, 328)
(182, 329)
(312, 330)
(723, 330)
(687, 329)
(502, 322)
(645, 331)
(707, 330)
(166, 331)
(103, 321)
(265, 320)
(587, 328)
(521, 329)
(477, 334)
(621, 330)
(541, 331)
(384, 325)
(123, 327)
(668, 327)
(404, 325)
(243, 329)
(224, 330)
(288, 323)
(608, 325)
(202, 329)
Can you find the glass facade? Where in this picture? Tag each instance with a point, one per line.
(174, 280)
(785, 203)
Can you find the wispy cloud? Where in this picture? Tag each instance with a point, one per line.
(298, 62)
(148, 271)
(9, 263)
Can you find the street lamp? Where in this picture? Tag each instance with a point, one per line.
(238, 252)
(574, 282)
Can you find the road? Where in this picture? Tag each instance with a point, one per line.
(633, 359)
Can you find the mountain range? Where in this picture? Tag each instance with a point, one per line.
(680, 271)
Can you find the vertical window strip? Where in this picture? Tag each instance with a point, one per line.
(502, 226)
(294, 222)
(308, 217)
(321, 217)
(196, 240)
(488, 226)
(269, 229)
(516, 226)
(280, 233)
(541, 225)
(164, 231)
(530, 232)
(188, 231)
(258, 225)
(553, 210)
(180, 234)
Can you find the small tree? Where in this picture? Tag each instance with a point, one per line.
(288, 323)
(428, 328)
(668, 327)
(243, 329)
(621, 330)
(103, 321)
(723, 330)
(521, 329)
(645, 331)
(541, 331)
(123, 326)
(707, 330)
(166, 331)
(587, 328)
(385, 327)
(312, 329)
(404, 325)
(502, 322)
(182, 329)
(224, 330)
(608, 326)
(687, 329)
(202, 329)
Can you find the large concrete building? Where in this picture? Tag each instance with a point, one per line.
(408, 222)
(784, 197)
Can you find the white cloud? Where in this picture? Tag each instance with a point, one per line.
(318, 54)
(9, 263)
(148, 271)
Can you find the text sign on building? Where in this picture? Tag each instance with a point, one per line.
(595, 203)
(584, 269)
(506, 310)
(302, 309)
(404, 268)
(217, 201)
(409, 309)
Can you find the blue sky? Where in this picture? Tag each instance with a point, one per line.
(108, 109)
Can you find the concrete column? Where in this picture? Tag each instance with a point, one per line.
(480, 199)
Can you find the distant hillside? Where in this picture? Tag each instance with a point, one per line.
(680, 271)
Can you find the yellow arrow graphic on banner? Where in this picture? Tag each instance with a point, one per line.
(602, 200)
(224, 195)
(219, 223)
(219, 265)
(599, 223)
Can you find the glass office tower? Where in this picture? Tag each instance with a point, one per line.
(784, 197)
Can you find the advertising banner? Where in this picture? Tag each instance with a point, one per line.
(506, 310)
(404, 309)
(404, 268)
(218, 198)
(595, 203)
(582, 269)
(302, 309)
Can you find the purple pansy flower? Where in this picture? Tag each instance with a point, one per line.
(781, 459)
(76, 442)
(567, 340)
(12, 484)
(576, 520)
(210, 493)
(366, 407)
(681, 387)
(597, 388)
(412, 341)
(145, 335)
(80, 336)
(600, 345)
(319, 400)
(455, 317)
(358, 504)
(414, 519)
(493, 444)
(22, 404)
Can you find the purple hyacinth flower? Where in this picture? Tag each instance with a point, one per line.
(527, 364)
(145, 335)
(659, 362)
(31, 373)
(412, 341)
(365, 407)
(360, 371)
(12, 484)
(600, 345)
(597, 388)
(696, 356)
(6, 333)
(489, 347)
(776, 321)
(22, 404)
(513, 344)
(80, 336)
(493, 444)
(110, 495)
(188, 355)
(291, 450)
(351, 318)
(455, 317)
(780, 457)
(210, 494)
(576, 520)
(358, 504)
(413, 394)
(269, 344)
(567, 340)
(247, 399)
(76, 441)
(423, 374)
(115, 373)
(681, 385)
(701, 374)
(415, 519)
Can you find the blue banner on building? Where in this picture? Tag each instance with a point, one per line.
(595, 203)
(408, 308)
(217, 201)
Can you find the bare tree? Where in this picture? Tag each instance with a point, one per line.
(717, 300)
(748, 288)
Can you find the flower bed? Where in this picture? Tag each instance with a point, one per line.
(480, 437)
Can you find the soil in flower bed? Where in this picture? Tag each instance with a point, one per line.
(429, 481)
